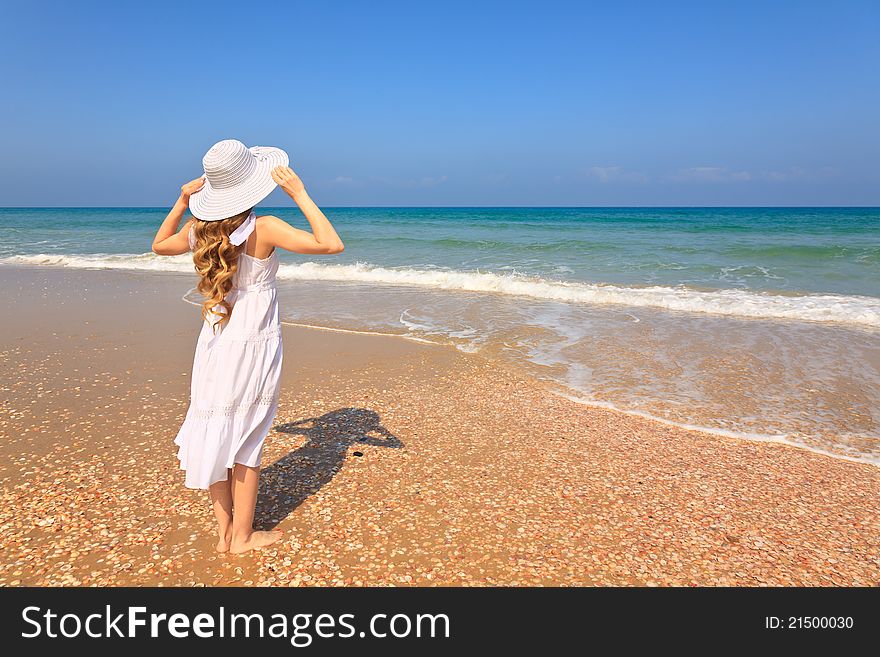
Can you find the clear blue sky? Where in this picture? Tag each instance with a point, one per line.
(447, 103)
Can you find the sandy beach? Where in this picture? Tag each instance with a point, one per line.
(391, 463)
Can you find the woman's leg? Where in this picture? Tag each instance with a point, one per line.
(245, 483)
(221, 500)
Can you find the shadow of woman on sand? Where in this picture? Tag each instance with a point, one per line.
(287, 483)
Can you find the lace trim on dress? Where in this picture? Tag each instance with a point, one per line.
(255, 287)
(235, 409)
(263, 335)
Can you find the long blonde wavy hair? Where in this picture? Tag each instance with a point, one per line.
(216, 261)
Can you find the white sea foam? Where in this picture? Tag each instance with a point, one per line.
(859, 310)
(783, 439)
(140, 262)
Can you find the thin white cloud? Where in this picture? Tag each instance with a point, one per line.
(345, 180)
(710, 174)
(431, 182)
(784, 176)
(411, 183)
(407, 183)
(797, 173)
(615, 174)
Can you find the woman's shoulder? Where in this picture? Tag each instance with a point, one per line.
(266, 229)
(268, 222)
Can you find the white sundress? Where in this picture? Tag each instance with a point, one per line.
(236, 378)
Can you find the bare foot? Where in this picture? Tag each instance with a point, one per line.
(224, 540)
(254, 541)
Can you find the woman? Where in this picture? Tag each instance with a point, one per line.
(237, 365)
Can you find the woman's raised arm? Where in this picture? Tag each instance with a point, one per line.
(168, 240)
(322, 239)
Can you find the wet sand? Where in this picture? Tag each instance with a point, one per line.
(391, 463)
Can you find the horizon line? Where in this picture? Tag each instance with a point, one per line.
(464, 207)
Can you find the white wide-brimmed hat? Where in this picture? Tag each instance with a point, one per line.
(236, 178)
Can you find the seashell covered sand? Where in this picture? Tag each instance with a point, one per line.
(391, 463)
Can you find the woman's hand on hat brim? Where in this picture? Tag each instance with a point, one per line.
(191, 188)
(287, 180)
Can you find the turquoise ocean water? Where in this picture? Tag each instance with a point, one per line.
(760, 322)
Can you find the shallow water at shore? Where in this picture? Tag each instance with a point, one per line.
(760, 322)
(812, 384)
